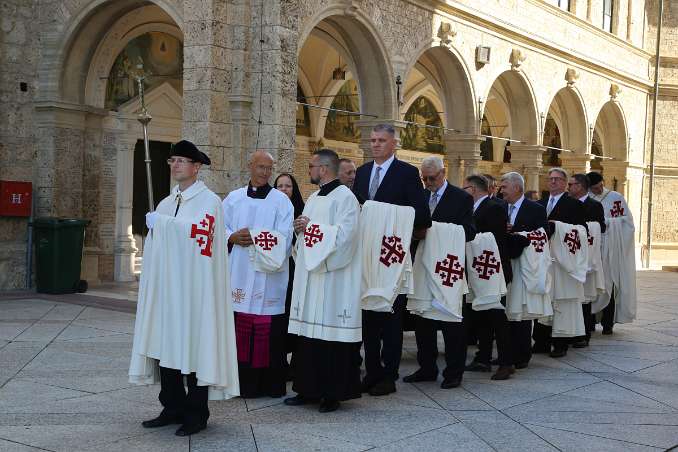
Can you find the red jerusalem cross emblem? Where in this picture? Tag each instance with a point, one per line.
(392, 251)
(590, 239)
(486, 264)
(538, 240)
(312, 235)
(266, 241)
(205, 236)
(572, 241)
(450, 270)
(617, 210)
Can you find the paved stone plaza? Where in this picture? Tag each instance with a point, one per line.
(63, 370)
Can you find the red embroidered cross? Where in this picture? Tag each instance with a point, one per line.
(392, 251)
(266, 241)
(312, 235)
(487, 266)
(572, 241)
(538, 240)
(590, 239)
(450, 270)
(617, 210)
(207, 231)
(238, 295)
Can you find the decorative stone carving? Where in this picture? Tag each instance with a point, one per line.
(445, 33)
(614, 91)
(571, 77)
(351, 8)
(516, 59)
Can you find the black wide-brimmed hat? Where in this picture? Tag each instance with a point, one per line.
(185, 148)
(594, 177)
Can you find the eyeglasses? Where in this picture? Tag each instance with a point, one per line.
(468, 186)
(180, 161)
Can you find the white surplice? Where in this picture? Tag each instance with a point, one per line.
(184, 316)
(253, 291)
(595, 276)
(386, 234)
(618, 255)
(529, 295)
(326, 293)
(485, 273)
(439, 283)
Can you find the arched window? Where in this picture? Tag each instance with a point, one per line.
(303, 118)
(158, 57)
(551, 138)
(341, 126)
(486, 151)
(425, 139)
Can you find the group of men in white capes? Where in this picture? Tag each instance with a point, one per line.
(212, 315)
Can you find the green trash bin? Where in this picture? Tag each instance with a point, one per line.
(58, 252)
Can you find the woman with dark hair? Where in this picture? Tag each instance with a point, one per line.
(286, 183)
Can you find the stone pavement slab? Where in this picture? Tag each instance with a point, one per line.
(63, 387)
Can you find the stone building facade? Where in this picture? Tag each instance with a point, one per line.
(564, 82)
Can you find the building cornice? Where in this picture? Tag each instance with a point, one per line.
(483, 22)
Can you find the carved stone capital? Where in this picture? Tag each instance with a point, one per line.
(516, 59)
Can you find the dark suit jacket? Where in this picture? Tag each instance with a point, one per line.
(595, 212)
(531, 216)
(401, 185)
(491, 216)
(567, 210)
(455, 206)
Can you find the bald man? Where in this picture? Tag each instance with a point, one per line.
(258, 220)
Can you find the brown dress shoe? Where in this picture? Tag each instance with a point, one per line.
(503, 373)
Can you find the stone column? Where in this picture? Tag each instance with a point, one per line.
(527, 159)
(463, 155)
(576, 163)
(616, 172)
(124, 248)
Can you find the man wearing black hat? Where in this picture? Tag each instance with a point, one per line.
(184, 328)
(618, 303)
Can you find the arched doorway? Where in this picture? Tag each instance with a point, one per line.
(565, 128)
(610, 141)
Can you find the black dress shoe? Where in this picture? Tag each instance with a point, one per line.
(476, 366)
(384, 387)
(541, 348)
(328, 405)
(607, 331)
(365, 386)
(298, 400)
(190, 429)
(503, 373)
(582, 343)
(558, 353)
(420, 376)
(521, 365)
(449, 383)
(162, 420)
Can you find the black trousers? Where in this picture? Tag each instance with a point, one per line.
(521, 341)
(454, 334)
(542, 338)
(383, 339)
(608, 314)
(192, 406)
(493, 324)
(589, 322)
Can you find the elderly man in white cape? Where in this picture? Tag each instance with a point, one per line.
(325, 309)
(184, 322)
(258, 220)
(618, 302)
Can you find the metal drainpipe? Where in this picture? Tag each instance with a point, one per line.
(654, 132)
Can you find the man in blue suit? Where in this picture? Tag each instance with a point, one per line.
(389, 180)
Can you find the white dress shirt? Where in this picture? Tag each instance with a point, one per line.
(516, 207)
(384, 168)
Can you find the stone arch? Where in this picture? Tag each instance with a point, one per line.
(372, 67)
(516, 92)
(568, 111)
(68, 50)
(611, 127)
(453, 80)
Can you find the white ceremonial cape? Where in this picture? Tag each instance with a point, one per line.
(595, 276)
(529, 295)
(269, 252)
(326, 294)
(439, 283)
(485, 273)
(386, 234)
(184, 317)
(619, 260)
(569, 249)
(254, 289)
